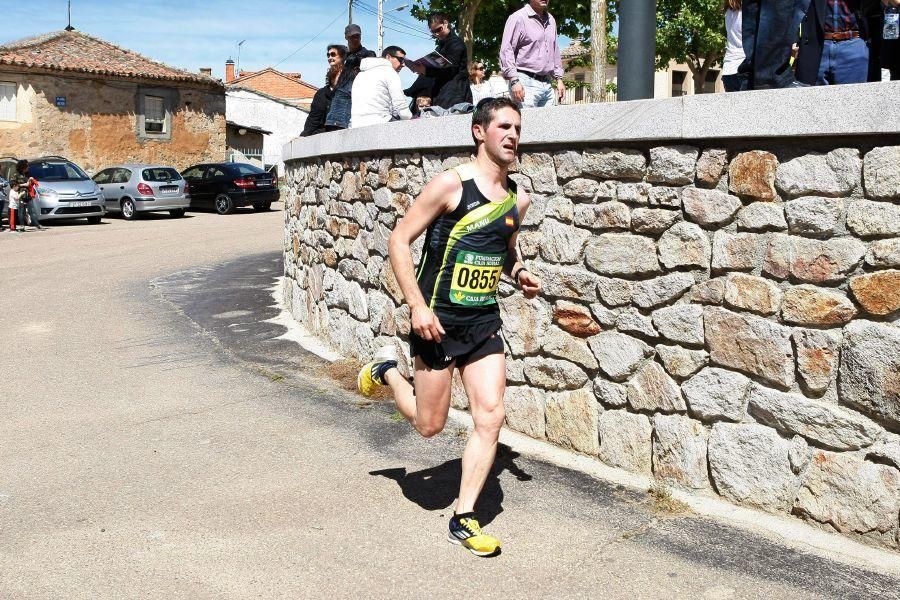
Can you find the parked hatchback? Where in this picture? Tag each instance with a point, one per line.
(226, 186)
(64, 190)
(132, 189)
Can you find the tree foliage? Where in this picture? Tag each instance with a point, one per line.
(692, 32)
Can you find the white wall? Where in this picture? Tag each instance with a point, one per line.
(285, 122)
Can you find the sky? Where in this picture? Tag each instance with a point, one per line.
(290, 35)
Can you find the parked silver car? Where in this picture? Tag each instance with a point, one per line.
(132, 189)
(64, 190)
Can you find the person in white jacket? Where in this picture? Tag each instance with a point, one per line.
(377, 92)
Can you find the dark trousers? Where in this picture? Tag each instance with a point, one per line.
(769, 30)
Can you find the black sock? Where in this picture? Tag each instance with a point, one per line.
(468, 515)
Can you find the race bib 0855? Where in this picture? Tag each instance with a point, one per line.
(476, 277)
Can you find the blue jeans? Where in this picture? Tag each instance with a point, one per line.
(537, 93)
(339, 113)
(844, 62)
(769, 30)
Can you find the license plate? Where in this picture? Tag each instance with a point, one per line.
(169, 189)
(78, 204)
(263, 182)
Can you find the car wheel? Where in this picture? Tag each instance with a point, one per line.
(177, 213)
(94, 220)
(224, 204)
(267, 206)
(129, 212)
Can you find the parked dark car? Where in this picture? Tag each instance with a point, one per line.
(226, 186)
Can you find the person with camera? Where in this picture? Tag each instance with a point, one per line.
(25, 189)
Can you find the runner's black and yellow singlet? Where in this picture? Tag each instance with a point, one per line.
(464, 254)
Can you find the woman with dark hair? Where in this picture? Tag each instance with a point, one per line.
(321, 102)
(24, 186)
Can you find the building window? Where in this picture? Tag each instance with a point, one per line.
(154, 114)
(7, 101)
(709, 86)
(678, 80)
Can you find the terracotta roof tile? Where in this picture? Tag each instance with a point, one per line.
(81, 53)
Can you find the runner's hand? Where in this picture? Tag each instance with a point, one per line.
(426, 324)
(530, 284)
(518, 92)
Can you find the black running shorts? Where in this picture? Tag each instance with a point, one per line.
(460, 343)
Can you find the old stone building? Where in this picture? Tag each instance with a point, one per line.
(70, 94)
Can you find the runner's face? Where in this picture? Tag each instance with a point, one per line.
(501, 139)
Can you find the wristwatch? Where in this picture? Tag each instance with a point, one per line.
(513, 82)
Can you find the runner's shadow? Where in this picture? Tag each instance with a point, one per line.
(436, 488)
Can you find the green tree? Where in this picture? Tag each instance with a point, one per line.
(691, 32)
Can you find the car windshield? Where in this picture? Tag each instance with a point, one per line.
(242, 169)
(161, 174)
(45, 170)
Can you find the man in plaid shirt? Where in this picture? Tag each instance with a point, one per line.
(833, 43)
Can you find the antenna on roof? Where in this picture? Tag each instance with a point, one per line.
(69, 26)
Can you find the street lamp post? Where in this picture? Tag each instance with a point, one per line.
(637, 49)
(381, 22)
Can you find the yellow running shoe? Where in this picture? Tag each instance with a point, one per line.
(371, 376)
(466, 532)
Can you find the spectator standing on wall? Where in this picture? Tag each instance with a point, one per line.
(769, 31)
(451, 83)
(734, 49)
(530, 57)
(833, 48)
(321, 102)
(339, 113)
(378, 92)
(883, 53)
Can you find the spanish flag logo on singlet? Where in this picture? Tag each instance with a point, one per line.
(510, 222)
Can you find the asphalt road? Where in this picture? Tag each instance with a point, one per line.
(157, 441)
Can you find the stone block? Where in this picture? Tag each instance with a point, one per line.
(752, 175)
(682, 323)
(620, 164)
(736, 251)
(709, 208)
(611, 395)
(525, 322)
(680, 362)
(572, 420)
(851, 495)
(559, 344)
(754, 294)
(711, 167)
(560, 208)
(552, 374)
(684, 245)
(751, 345)
(581, 189)
(834, 174)
(817, 358)
(673, 165)
(878, 293)
(539, 168)
(606, 215)
(870, 370)
(618, 355)
(814, 216)
(881, 173)
(762, 216)
(622, 254)
(632, 322)
(812, 261)
(653, 220)
(604, 316)
(872, 219)
(625, 441)
(669, 197)
(679, 451)
(529, 244)
(565, 282)
(884, 253)
(652, 390)
(562, 243)
(662, 290)
(575, 319)
(886, 451)
(711, 291)
(568, 163)
(751, 464)
(824, 424)
(538, 209)
(715, 394)
(614, 292)
(810, 305)
(634, 193)
(525, 410)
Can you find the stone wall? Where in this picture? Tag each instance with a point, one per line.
(98, 127)
(723, 316)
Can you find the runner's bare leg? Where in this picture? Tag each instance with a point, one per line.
(426, 411)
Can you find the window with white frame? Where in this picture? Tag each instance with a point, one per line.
(154, 114)
(7, 101)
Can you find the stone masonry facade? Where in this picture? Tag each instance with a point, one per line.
(724, 320)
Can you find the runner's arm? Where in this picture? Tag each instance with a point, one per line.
(529, 284)
(437, 198)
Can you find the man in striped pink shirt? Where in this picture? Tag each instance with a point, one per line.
(529, 56)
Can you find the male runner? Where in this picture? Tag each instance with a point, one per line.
(472, 214)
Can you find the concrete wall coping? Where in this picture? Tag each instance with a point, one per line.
(845, 110)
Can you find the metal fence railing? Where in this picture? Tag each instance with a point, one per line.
(584, 95)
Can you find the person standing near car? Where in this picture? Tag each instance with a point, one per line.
(25, 187)
(339, 113)
(530, 58)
